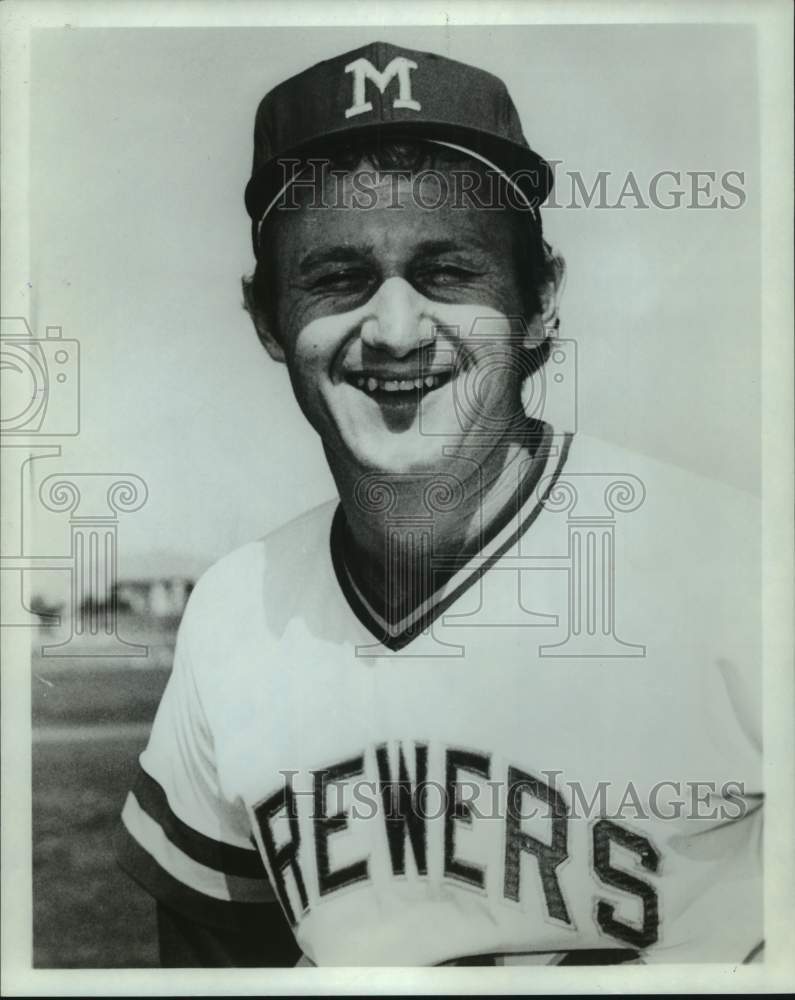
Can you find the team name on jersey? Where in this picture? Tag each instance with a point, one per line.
(295, 824)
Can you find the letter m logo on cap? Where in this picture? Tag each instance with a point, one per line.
(393, 92)
(363, 70)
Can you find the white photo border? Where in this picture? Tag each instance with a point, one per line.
(773, 23)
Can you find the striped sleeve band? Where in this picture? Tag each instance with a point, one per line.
(207, 880)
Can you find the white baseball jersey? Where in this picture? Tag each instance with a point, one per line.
(556, 753)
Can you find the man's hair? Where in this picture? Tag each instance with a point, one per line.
(534, 260)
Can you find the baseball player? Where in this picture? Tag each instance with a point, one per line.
(495, 704)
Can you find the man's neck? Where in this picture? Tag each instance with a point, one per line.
(395, 523)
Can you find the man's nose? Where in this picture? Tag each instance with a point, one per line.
(398, 323)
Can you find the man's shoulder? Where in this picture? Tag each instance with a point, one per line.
(598, 455)
(692, 540)
(242, 575)
(686, 501)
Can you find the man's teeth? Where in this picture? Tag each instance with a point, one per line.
(394, 385)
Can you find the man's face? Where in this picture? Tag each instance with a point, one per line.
(400, 324)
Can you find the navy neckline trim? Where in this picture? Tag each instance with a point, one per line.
(398, 641)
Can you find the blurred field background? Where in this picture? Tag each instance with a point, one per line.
(91, 718)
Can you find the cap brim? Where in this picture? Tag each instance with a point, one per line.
(531, 173)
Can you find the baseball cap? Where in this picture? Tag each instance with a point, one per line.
(391, 91)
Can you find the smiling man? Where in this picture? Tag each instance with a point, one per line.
(403, 729)
(409, 321)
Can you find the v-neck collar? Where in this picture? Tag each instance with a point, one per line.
(397, 635)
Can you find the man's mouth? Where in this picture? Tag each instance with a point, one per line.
(398, 389)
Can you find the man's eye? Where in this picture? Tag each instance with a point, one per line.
(446, 274)
(341, 280)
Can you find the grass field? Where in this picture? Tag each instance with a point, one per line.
(90, 721)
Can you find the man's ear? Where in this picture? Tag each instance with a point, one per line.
(553, 290)
(262, 325)
(545, 323)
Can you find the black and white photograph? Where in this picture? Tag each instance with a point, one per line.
(397, 498)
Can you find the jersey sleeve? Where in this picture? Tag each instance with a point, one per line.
(179, 837)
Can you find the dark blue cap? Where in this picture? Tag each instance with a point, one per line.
(392, 91)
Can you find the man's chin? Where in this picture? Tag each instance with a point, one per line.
(409, 458)
(411, 465)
